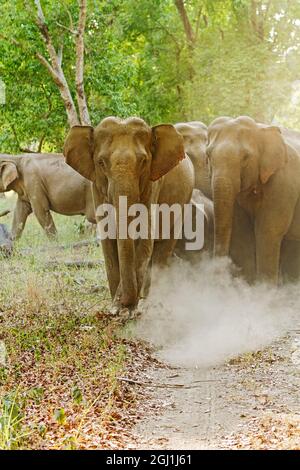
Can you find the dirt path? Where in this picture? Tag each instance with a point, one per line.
(218, 406)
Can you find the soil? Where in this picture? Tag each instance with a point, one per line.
(251, 402)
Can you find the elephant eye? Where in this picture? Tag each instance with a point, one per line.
(101, 163)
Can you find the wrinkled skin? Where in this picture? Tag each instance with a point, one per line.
(44, 183)
(194, 256)
(128, 158)
(194, 135)
(195, 140)
(256, 171)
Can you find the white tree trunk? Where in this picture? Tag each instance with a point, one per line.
(55, 68)
(81, 98)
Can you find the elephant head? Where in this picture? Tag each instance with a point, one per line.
(8, 174)
(123, 158)
(243, 155)
(195, 140)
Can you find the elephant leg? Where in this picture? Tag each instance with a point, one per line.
(144, 250)
(109, 247)
(267, 257)
(143, 254)
(163, 251)
(147, 281)
(111, 259)
(242, 247)
(270, 226)
(44, 217)
(290, 260)
(21, 212)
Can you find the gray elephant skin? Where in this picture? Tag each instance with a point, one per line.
(256, 188)
(194, 135)
(148, 166)
(44, 183)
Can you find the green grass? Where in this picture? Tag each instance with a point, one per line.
(63, 355)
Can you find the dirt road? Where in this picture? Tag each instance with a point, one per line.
(250, 402)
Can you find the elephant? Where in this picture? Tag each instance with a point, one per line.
(256, 171)
(6, 245)
(194, 135)
(44, 183)
(194, 256)
(126, 157)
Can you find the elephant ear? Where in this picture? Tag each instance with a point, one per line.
(78, 150)
(167, 150)
(9, 174)
(273, 153)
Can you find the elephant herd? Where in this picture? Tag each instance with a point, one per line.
(245, 173)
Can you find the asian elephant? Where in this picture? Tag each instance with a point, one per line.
(195, 140)
(6, 245)
(256, 171)
(205, 205)
(146, 165)
(44, 183)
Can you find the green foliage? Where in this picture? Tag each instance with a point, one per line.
(11, 417)
(243, 60)
(77, 395)
(60, 416)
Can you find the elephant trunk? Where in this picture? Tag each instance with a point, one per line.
(124, 198)
(224, 194)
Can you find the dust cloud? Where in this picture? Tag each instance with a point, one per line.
(205, 314)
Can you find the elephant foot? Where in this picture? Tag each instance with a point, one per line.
(123, 314)
(114, 311)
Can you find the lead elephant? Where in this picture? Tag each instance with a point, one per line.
(44, 183)
(256, 171)
(194, 135)
(146, 165)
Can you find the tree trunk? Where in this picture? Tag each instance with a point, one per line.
(81, 98)
(54, 68)
(189, 33)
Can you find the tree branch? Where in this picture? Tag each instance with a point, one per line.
(198, 22)
(48, 66)
(81, 97)
(172, 36)
(60, 55)
(72, 31)
(189, 33)
(40, 146)
(70, 17)
(54, 67)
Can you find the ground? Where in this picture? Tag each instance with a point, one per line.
(251, 402)
(59, 356)
(73, 378)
